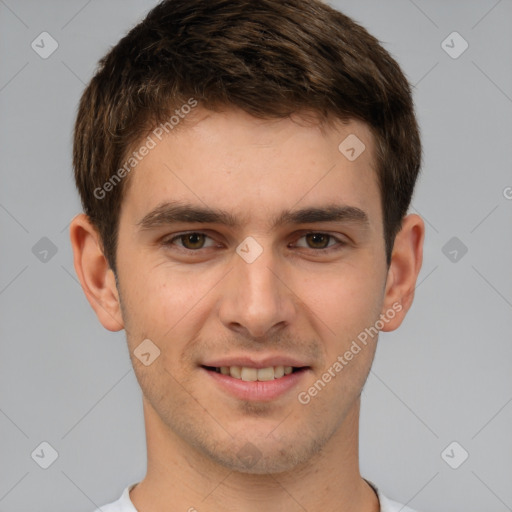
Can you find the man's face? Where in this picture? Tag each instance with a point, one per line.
(285, 298)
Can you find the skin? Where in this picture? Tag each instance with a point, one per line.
(294, 299)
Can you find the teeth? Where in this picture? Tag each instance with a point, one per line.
(265, 374)
(235, 371)
(278, 372)
(249, 374)
(255, 374)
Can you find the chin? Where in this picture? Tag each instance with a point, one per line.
(265, 454)
(262, 464)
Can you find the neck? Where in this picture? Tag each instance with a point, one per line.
(181, 478)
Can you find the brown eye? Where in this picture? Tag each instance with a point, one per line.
(192, 240)
(318, 240)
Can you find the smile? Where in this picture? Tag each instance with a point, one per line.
(250, 374)
(256, 384)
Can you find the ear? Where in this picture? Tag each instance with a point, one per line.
(95, 275)
(406, 260)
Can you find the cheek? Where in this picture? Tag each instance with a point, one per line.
(345, 300)
(166, 300)
(346, 306)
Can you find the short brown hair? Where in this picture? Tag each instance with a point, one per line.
(271, 58)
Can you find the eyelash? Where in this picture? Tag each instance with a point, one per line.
(340, 243)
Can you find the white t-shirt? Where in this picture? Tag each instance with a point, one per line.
(124, 504)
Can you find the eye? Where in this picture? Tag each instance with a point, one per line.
(320, 241)
(195, 241)
(191, 241)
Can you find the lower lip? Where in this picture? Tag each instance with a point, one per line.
(262, 391)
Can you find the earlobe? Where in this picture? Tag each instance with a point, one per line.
(96, 277)
(403, 271)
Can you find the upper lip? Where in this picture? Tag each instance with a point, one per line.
(255, 362)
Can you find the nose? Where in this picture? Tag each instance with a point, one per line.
(257, 297)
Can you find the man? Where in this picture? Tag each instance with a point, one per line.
(245, 169)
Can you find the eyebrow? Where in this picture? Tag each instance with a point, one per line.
(171, 212)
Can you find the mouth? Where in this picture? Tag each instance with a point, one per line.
(251, 374)
(263, 384)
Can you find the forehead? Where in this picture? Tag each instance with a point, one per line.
(255, 168)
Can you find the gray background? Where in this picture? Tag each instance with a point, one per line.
(444, 376)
